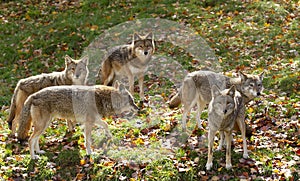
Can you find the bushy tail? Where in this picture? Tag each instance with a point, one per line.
(25, 120)
(12, 109)
(175, 100)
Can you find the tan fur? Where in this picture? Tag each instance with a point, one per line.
(196, 89)
(130, 61)
(83, 104)
(75, 72)
(223, 110)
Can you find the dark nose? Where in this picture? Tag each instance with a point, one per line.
(225, 111)
(146, 53)
(258, 94)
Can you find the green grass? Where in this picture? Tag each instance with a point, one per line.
(249, 36)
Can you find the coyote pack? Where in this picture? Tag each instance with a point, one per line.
(83, 104)
(196, 89)
(130, 61)
(75, 73)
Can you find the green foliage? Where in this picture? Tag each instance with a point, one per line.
(249, 36)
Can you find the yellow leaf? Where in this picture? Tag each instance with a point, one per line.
(220, 12)
(267, 25)
(250, 110)
(131, 18)
(94, 27)
(27, 17)
(139, 141)
(51, 30)
(82, 162)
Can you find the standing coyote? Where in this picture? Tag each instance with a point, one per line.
(84, 104)
(196, 89)
(225, 107)
(76, 72)
(130, 61)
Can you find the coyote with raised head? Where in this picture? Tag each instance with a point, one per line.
(75, 73)
(130, 61)
(84, 104)
(196, 89)
(224, 109)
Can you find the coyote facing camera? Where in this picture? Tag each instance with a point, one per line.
(84, 104)
(225, 109)
(75, 73)
(130, 61)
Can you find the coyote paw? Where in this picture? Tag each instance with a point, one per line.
(209, 166)
(35, 157)
(245, 155)
(199, 124)
(228, 166)
(41, 152)
(219, 148)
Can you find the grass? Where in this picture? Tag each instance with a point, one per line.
(249, 36)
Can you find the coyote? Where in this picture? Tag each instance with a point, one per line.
(225, 107)
(76, 72)
(196, 89)
(130, 61)
(83, 104)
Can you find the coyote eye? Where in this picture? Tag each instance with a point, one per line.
(251, 85)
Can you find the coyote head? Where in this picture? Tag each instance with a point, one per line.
(77, 70)
(143, 46)
(251, 85)
(124, 100)
(222, 102)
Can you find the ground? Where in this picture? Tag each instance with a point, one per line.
(249, 36)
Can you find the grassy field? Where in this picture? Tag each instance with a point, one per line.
(249, 36)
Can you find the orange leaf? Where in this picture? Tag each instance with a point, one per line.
(298, 152)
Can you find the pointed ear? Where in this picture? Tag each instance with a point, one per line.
(85, 59)
(243, 76)
(261, 75)
(136, 37)
(153, 42)
(215, 91)
(149, 36)
(68, 60)
(231, 91)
